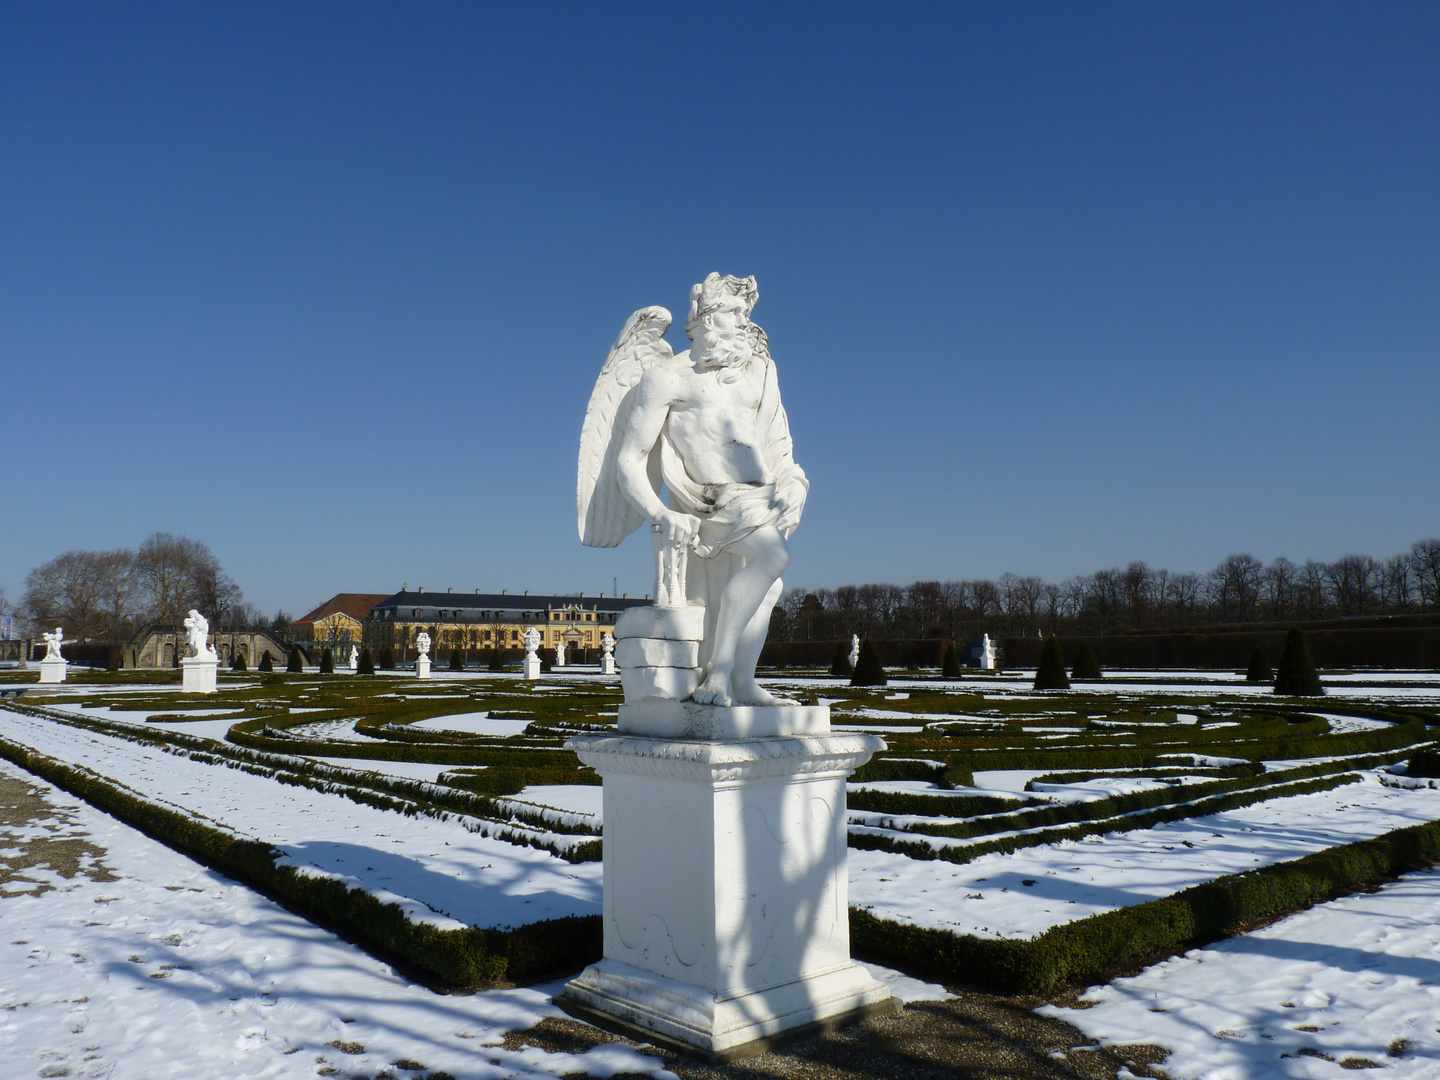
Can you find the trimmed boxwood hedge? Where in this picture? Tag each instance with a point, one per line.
(1089, 949)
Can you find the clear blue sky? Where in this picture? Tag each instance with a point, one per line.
(1051, 286)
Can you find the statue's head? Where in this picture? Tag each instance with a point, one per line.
(720, 311)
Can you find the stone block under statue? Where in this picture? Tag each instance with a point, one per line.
(198, 674)
(726, 896)
(422, 668)
(53, 671)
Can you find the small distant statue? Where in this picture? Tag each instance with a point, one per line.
(708, 425)
(422, 645)
(987, 653)
(560, 654)
(53, 643)
(197, 631)
(854, 651)
(354, 658)
(607, 645)
(532, 642)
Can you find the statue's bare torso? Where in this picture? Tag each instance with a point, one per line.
(710, 417)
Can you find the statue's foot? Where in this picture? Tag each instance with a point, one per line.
(750, 692)
(715, 690)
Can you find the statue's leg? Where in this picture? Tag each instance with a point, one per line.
(752, 639)
(767, 556)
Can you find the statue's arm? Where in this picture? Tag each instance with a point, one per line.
(791, 484)
(654, 398)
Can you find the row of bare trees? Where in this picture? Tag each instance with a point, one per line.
(108, 595)
(1240, 589)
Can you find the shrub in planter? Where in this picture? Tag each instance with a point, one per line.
(366, 663)
(950, 663)
(297, 663)
(267, 665)
(237, 663)
(868, 671)
(457, 660)
(1050, 675)
(1086, 665)
(1259, 669)
(1295, 677)
(840, 663)
(327, 663)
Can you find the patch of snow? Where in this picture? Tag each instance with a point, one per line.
(472, 723)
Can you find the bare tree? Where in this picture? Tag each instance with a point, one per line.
(67, 591)
(1425, 560)
(178, 573)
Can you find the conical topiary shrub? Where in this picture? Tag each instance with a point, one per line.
(497, 659)
(457, 660)
(297, 662)
(1259, 669)
(1295, 677)
(266, 664)
(327, 663)
(387, 659)
(237, 663)
(1086, 666)
(840, 662)
(366, 664)
(1050, 675)
(868, 671)
(950, 663)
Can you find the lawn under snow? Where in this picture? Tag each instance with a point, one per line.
(1351, 984)
(1073, 879)
(172, 970)
(436, 869)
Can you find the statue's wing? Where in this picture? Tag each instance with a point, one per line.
(606, 514)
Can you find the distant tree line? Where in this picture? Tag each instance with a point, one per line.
(1241, 589)
(109, 595)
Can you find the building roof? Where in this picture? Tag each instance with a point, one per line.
(472, 602)
(355, 604)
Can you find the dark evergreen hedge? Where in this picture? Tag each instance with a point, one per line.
(457, 660)
(366, 663)
(1086, 666)
(497, 659)
(237, 663)
(840, 663)
(950, 663)
(1050, 675)
(387, 659)
(868, 671)
(296, 664)
(1296, 677)
(1259, 669)
(327, 663)
(267, 664)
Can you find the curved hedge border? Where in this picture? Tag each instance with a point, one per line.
(1089, 949)
(450, 959)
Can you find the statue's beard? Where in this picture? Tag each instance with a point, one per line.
(716, 349)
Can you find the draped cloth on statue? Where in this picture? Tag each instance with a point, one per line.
(731, 512)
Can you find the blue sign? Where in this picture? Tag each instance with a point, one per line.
(7, 627)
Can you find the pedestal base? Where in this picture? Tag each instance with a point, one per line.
(422, 668)
(52, 671)
(726, 913)
(532, 668)
(677, 1015)
(607, 665)
(199, 675)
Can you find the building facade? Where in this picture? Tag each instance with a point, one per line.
(478, 623)
(166, 646)
(340, 621)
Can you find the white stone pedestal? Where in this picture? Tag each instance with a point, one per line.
(532, 667)
(422, 668)
(199, 675)
(53, 670)
(726, 897)
(607, 665)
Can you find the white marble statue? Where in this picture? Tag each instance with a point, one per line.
(709, 425)
(607, 645)
(53, 643)
(354, 658)
(854, 650)
(560, 654)
(987, 653)
(422, 645)
(197, 632)
(532, 642)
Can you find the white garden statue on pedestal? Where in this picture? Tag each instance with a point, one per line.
(725, 899)
(531, 664)
(198, 669)
(987, 653)
(422, 662)
(854, 650)
(607, 653)
(53, 665)
(354, 658)
(560, 654)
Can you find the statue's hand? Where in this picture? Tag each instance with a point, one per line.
(790, 501)
(678, 528)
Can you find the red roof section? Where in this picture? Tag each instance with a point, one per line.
(355, 604)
